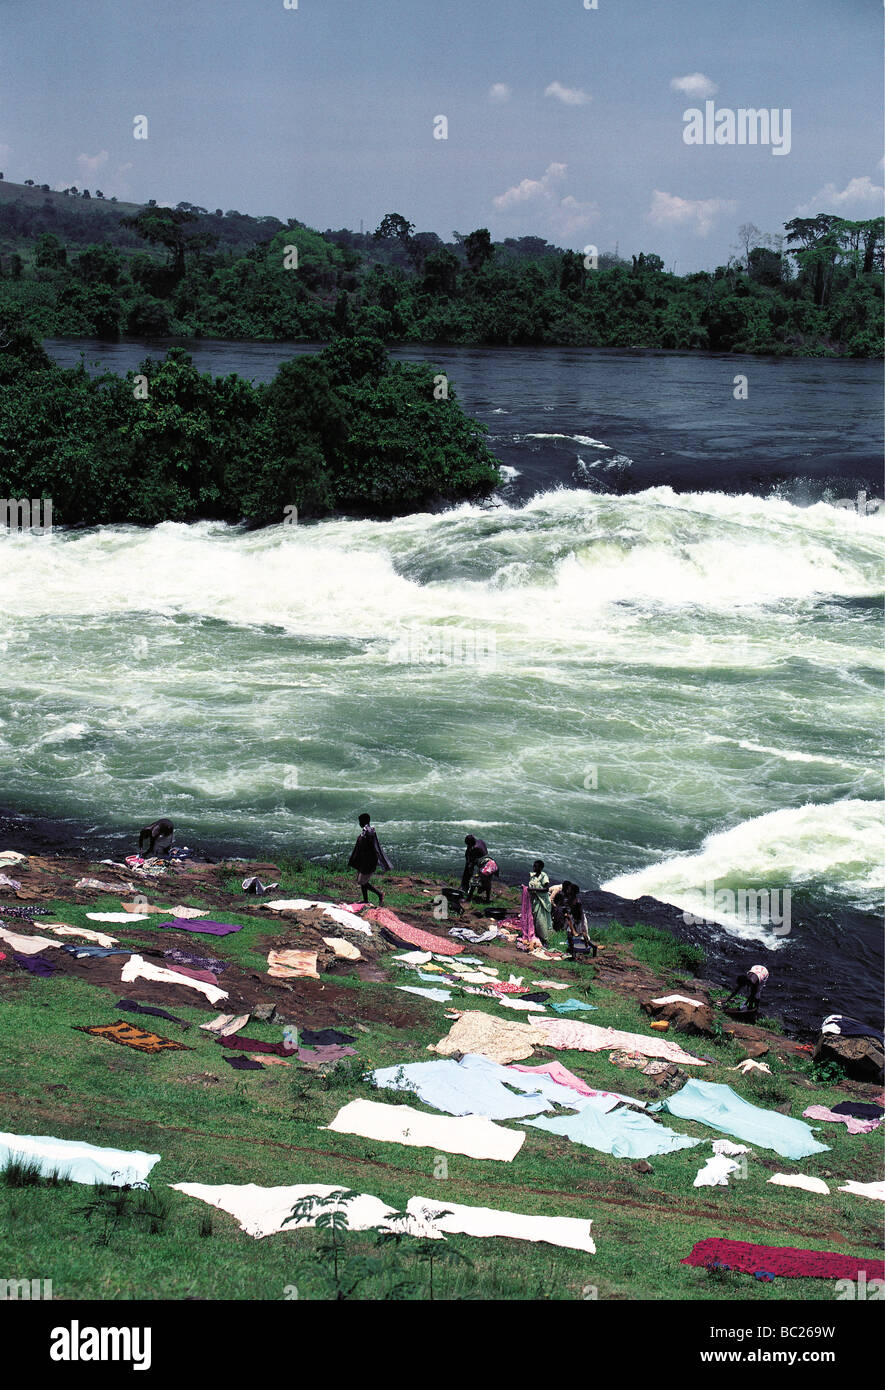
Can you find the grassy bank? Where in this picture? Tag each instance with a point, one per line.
(212, 1124)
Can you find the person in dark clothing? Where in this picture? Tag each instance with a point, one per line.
(475, 850)
(156, 839)
(366, 857)
(575, 920)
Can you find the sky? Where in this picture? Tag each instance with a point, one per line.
(562, 121)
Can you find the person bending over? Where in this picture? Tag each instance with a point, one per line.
(752, 984)
(156, 839)
(476, 850)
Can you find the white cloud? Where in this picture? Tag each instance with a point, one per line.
(499, 91)
(89, 164)
(565, 216)
(569, 96)
(859, 195)
(694, 85)
(669, 210)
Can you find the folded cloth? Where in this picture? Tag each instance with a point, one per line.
(264, 1058)
(117, 916)
(254, 885)
(291, 964)
(27, 945)
(785, 1260)
(344, 916)
(203, 927)
(262, 1211)
(472, 1135)
(475, 938)
(524, 1005)
(76, 1160)
(99, 937)
(721, 1108)
(225, 1024)
(809, 1184)
(588, 1037)
(35, 965)
(875, 1190)
(345, 950)
(99, 952)
(570, 1006)
(137, 967)
(186, 914)
(716, 1172)
(244, 1063)
(145, 909)
(412, 936)
(130, 1036)
(854, 1126)
(12, 856)
(131, 1007)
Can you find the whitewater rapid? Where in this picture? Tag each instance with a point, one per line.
(646, 689)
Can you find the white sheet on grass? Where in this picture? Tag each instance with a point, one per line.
(77, 1160)
(472, 1135)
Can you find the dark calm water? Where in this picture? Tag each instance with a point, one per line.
(653, 659)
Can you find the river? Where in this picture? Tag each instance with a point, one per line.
(653, 658)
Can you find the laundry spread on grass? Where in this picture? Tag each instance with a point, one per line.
(439, 995)
(489, 1036)
(571, 1006)
(225, 1024)
(263, 1211)
(623, 1133)
(345, 950)
(128, 1035)
(130, 1006)
(99, 938)
(475, 1085)
(851, 1123)
(202, 926)
(344, 916)
(803, 1180)
(35, 965)
(292, 964)
(784, 1260)
(412, 936)
(566, 1034)
(472, 1135)
(873, 1190)
(214, 967)
(27, 945)
(244, 1063)
(721, 1108)
(137, 968)
(716, 1172)
(117, 916)
(76, 1160)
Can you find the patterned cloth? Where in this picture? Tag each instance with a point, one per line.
(412, 936)
(130, 1036)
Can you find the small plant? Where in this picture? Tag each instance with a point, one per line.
(347, 1073)
(326, 1214)
(26, 1172)
(141, 1207)
(205, 1227)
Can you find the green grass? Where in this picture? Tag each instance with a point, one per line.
(267, 1128)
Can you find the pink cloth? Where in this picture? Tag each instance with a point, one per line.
(557, 1072)
(205, 975)
(851, 1122)
(413, 936)
(351, 907)
(564, 1033)
(526, 920)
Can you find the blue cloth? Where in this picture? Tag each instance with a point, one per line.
(570, 1006)
(74, 1159)
(622, 1133)
(478, 1086)
(722, 1108)
(78, 951)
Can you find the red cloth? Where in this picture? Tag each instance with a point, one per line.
(785, 1260)
(205, 975)
(413, 936)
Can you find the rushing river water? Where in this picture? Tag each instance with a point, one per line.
(669, 681)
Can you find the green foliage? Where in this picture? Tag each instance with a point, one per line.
(338, 429)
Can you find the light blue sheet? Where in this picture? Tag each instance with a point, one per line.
(571, 1006)
(722, 1108)
(74, 1159)
(622, 1133)
(440, 995)
(478, 1086)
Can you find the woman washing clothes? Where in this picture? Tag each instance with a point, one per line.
(539, 897)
